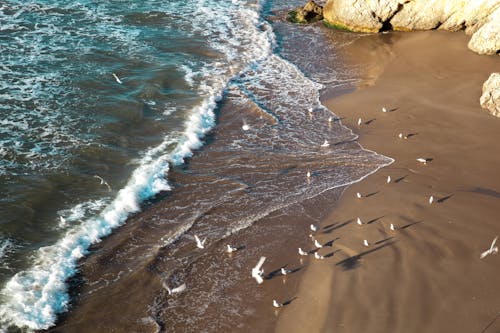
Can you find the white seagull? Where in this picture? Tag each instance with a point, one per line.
(400, 135)
(302, 252)
(330, 119)
(257, 271)
(365, 243)
(199, 243)
(284, 271)
(277, 304)
(359, 195)
(384, 110)
(175, 290)
(359, 121)
(231, 249)
(359, 222)
(62, 220)
(422, 160)
(317, 256)
(117, 78)
(308, 174)
(388, 179)
(103, 182)
(392, 227)
(313, 227)
(431, 200)
(492, 250)
(245, 127)
(317, 244)
(325, 144)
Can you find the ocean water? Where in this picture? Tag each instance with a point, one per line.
(81, 152)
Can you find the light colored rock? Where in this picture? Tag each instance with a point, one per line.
(481, 18)
(490, 99)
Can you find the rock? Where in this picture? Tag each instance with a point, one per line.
(490, 99)
(481, 18)
(311, 12)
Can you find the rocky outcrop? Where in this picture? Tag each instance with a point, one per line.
(490, 99)
(311, 12)
(480, 18)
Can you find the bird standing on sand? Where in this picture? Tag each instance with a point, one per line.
(358, 195)
(365, 243)
(317, 244)
(400, 135)
(392, 227)
(325, 144)
(317, 256)
(308, 174)
(285, 271)
(359, 222)
(230, 249)
(277, 304)
(330, 119)
(258, 272)
(313, 228)
(175, 290)
(492, 250)
(431, 200)
(117, 79)
(422, 160)
(199, 243)
(245, 127)
(388, 179)
(384, 109)
(359, 121)
(302, 252)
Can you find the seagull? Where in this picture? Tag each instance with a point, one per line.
(400, 135)
(310, 110)
(365, 243)
(317, 244)
(175, 290)
(317, 256)
(103, 182)
(384, 110)
(358, 221)
(257, 271)
(231, 249)
(388, 179)
(302, 252)
(62, 220)
(359, 121)
(392, 227)
(285, 271)
(245, 127)
(313, 227)
(422, 160)
(492, 250)
(277, 304)
(330, 119)
(325, 144)
(199, 243)
(117, 78)
(359, 195)
(308, 174)
(431, 200)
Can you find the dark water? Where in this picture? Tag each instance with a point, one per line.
(187, 69)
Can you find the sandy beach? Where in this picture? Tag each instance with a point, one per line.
(426, 276)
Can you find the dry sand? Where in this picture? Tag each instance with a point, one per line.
(426, 276)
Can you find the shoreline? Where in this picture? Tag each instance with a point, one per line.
(433, 82)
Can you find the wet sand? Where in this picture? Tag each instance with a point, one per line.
(427, 275)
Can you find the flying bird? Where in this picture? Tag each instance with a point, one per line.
(325, 144)
(231, 249)
(175, 290)
(258, 272)
(117, 79)
(199, 243)
(103, 182)
(277, 304)
(492, 250)
(302, 252)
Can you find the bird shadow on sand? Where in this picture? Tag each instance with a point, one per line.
(331, 254)
(443, 199)
(409, 135)
(483, 191)
(368, 122)
(393, 110)
(371, 194)
(277, 272)
(375, 219)
(290, 301)
(382, 241)
(330, 243)
(334, 226)
(410, 224)
(400, 179)
(491, 323)
(353, 262)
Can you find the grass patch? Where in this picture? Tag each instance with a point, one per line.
(337, 26)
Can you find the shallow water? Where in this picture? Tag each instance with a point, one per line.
(187, 69)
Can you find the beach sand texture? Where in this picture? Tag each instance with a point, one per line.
(427, 275)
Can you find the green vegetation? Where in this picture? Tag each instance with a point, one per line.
(294, 18)
(337, 26)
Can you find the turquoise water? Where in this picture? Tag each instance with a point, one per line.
(99, 100)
